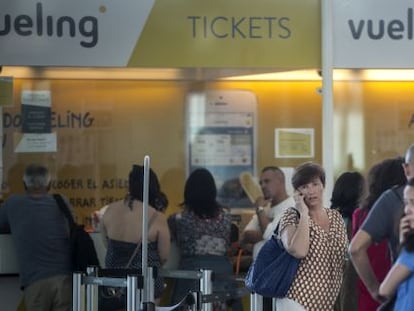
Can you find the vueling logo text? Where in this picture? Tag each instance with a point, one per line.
(25, 25)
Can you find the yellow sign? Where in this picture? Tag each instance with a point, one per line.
(6, 91)
(294, 143)
(231, 33)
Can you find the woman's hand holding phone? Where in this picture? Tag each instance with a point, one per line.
(300, 203)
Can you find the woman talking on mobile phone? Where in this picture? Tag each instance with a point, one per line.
(318, 236)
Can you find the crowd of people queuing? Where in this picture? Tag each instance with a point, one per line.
(355, 255)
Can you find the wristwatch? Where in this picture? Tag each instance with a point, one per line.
(259, 209)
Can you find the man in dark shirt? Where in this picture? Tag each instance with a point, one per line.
(41, 237)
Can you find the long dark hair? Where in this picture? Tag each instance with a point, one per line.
(347, 193)
(200, 194)
(156, 198)
(383, 176)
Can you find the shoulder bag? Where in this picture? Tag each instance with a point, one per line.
(82, 248)
(274, 269)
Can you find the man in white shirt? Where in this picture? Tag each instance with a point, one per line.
(269, 209)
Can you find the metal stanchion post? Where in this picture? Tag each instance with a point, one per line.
(256, 302)
(273, 304)
(148, 303)
(91, 290)
(198, 306)
(206, 288)
(76, 295)
(132, 292)
(150, 284)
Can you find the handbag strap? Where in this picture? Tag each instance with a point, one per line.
(65, 210)
(276, 233)
(151, 220)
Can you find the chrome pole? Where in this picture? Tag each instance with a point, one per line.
(144, 243)
(132, 284)
(91, 290)
(150, 284)
(76, 293)
(206, 288)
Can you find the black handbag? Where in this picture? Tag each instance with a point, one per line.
(274, 269)
(82, 248)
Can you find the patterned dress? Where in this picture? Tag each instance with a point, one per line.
(203, 243)
(319, 277)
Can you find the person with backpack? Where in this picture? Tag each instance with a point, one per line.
(40, 234)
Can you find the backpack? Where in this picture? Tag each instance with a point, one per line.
(82, 248)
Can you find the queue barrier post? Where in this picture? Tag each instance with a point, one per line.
(92, 290)
(206, 287)
(76, 291)
(132, 286)
(256, 302)
(91, 281)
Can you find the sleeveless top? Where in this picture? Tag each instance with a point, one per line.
(119, 253)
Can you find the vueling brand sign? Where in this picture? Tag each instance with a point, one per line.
(40, 24)
(374, 33)
(160, 33)
(70, 33)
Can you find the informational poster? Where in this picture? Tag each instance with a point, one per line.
(36, 112)
(294, 143)
(28, 142)
(221, 138)
(36, 133)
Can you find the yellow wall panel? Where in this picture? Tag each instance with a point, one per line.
(104, 126)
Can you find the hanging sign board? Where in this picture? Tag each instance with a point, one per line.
(373, 34)
(160, 33)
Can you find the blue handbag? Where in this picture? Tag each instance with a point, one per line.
(274, 269)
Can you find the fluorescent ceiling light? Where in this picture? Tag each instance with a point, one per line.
(297, 75)
(203, 74)
(338, 75)
(93, 73)
(388, 75)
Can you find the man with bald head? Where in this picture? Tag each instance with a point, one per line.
(269, 208)
(382, 223)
